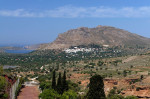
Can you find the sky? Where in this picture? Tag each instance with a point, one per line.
(41, 21)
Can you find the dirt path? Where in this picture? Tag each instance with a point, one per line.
(29, 92)
(129, 59)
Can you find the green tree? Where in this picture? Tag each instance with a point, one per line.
(54, 81)
(1, 70)
(96, 88)
(73, 86)
(100, 63)
(64, 83)
(3, 85)
(49, 94)
(70, 94)
(45, 85)
(59, 84)
(112, 92)
(141, 77)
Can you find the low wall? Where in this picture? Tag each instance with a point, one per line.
(13, 89)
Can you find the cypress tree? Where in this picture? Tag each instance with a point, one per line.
(96, 88)
(64, 83)
(54, 81)
(59, 84)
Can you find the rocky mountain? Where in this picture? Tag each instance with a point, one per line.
(101, 35)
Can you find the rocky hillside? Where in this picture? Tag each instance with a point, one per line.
(101, 35)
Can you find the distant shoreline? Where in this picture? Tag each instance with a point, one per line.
(25, 51)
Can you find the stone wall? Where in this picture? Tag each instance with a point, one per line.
(13, 89)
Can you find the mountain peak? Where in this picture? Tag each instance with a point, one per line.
(101, 35)
(80, 28)
(99, 26)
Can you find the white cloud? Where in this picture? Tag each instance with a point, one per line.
(17, 13)
(77, 12)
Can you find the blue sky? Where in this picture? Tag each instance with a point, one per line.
(40, 21)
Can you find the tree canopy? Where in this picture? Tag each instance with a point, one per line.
(96, 88)
(49, 94)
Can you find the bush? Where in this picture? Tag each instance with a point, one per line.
(100, 63)
(5, 96)
(3, 85)
(116, 97)
(112, 92)
(73, 86)
(49, 94)
(45, 85)
(70, 94)
(137, 88)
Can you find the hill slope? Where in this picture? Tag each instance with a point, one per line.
(101, 35)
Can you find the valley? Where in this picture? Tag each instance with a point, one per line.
(125, 68)
(117, 69)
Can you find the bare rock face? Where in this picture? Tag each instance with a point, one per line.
(101, 35)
